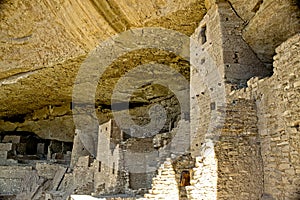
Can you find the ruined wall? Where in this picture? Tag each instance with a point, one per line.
(208, 35)
(164, 185)
(240, 62)
(13, 178)
(278, 123)
(140, 160)
(110, 156)
(227, 62)
(140, 115)
(231, 166)
(265, 149)
(240, 167)
(236, 148)
(204, 175)
(277, 101)
(78, 149)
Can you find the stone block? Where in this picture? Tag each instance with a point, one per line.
(297, 84)
(5, 146)
(3, 155)
(58, 177)
(14, 172)
(46, 170)
(12, 139)
(41, 148)
(10, 186)
(83, 161)
(284, 166)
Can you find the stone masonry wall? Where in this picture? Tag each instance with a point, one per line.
(235, 143)
(204, 175)
(12, 178)
(279, 121)
(164, 185)
(109, 155)
(240, 170)
(231, 166)
(225, 59)
(277, 100)
(140, 161)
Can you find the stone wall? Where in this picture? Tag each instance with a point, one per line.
(240, 167)
(282, 105)
(109, 158)
(277, 100)
(140, 115)
(234, 168)
(140, 160)
(278, 123)
(12, 178)
(226, 63)
(164, 185)
(204, 175)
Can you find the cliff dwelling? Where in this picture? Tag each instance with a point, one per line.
(160, 99)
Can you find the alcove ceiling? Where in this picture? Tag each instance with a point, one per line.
(43, 42)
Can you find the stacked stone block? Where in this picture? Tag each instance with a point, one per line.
(164, 185)
(12, 178)
(204, 176)
(277, 101)
(279, 121)
(4, 148)
(235, 142)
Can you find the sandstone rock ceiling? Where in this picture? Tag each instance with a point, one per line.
(43, 43)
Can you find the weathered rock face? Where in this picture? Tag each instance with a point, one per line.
(273, 23)
(43, 45)
(266, 23)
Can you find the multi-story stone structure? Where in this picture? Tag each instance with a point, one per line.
(241, 139)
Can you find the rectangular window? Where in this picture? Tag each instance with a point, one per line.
(203, 34)
(113, 168)
(99, 167)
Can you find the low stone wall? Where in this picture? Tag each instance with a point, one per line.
(12, 178)
(204, 175)
(164, 185)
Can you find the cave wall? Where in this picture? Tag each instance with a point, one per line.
(43, 45)
(273, 23)
(265, 24)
